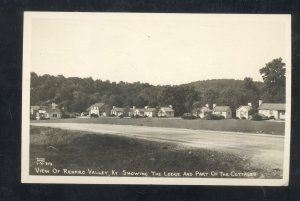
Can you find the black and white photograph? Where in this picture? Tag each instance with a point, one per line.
(156, 98)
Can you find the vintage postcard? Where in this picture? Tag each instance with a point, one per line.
(153, 98)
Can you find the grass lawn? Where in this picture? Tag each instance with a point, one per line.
(83, 151)
(268, 127)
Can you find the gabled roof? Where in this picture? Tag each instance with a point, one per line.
(44, 107)
(167, 109)
(221, 109)
(35, 107)
(101, 106)
(150, 109)
(205, 109)
(247, 107)
(98, 105)
(272, 106)
(49, 110)
(202, 109)
(118, 109)
(140, 109)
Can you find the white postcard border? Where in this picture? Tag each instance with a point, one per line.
(26, 178)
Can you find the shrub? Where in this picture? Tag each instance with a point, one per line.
(121, 116)
(243, 118)
(188, 116)
(208, 117)
(32, 117)
(257, 117)
(94, 116)
(252, 111)
(271, 117)
(217, 117)
(66, 115)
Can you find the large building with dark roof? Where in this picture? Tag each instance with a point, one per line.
(222, 110)
(276, 110)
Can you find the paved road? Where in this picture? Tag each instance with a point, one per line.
(266, 150)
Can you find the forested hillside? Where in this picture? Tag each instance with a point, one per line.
(76, 94)
(229, 91)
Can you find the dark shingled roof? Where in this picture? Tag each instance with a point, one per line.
(221, 109)
(118, 109)
(247, 107)
(202, 109)
(140, 109)
(50, 110)
(150, 109)
(272, 106)
(99, 105)
(205, 109)
(35, 107)
(167, 109)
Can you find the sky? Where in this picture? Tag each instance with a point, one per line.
(155, 48)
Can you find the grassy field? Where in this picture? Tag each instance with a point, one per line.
(73, 150)
(268, 127)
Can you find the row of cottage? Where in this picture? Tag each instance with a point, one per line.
(100, 109)
(50, 111)
(276, 110)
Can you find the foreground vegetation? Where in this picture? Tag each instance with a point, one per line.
(82, 150)
(235, 125)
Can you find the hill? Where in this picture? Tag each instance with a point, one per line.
(220, 84)
(76, 94)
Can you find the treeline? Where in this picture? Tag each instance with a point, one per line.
(77, 94)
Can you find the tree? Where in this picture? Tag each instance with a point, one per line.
(196, 106)
(273, 75)
(210, 96)
(251, 93)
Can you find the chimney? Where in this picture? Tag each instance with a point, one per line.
(114, 107)
(250, 104)
(207, 105)
(170, 106)
(214, 105)
(260, 102)
(146, 107)
(133, 107)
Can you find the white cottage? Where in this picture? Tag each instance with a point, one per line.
(136, 112)
(243, 111)
(276, 110)
(202, 112)
(222, 110)
(117, 111)
(166, 112)
(150, 112)
(99, 109)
